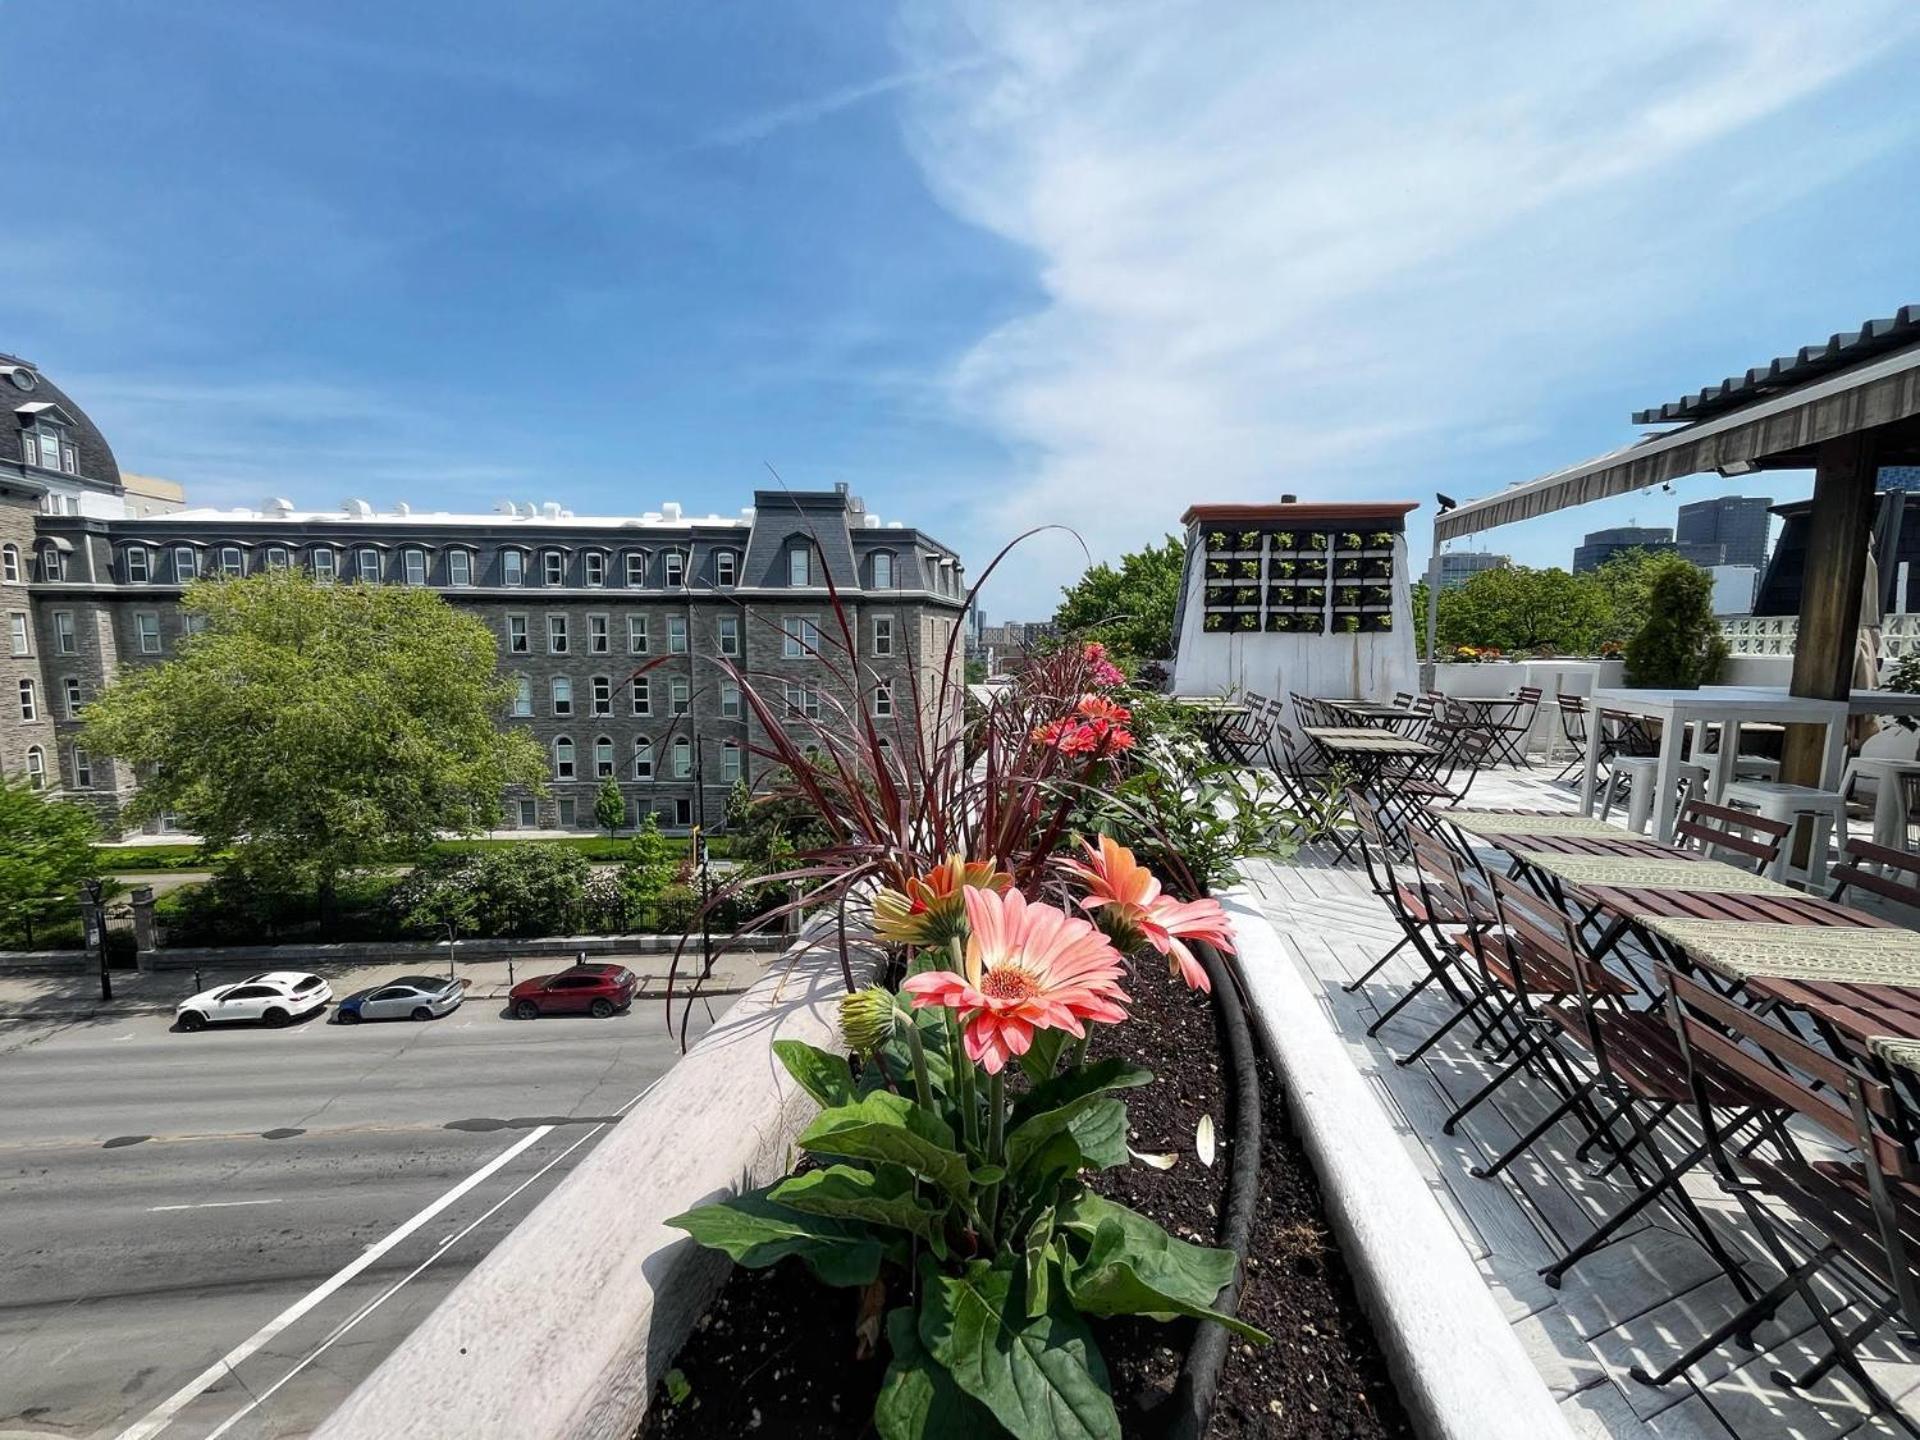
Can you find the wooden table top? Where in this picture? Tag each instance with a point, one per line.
(1366, 741)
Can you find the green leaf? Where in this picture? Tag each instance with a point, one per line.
(1043, 1055)
(891, 1128)
(1043, 1378)
(1096, 1122)
(918, 1399)
(1134, 1267)
(827, 1078)
(678, 1386)
(757, 1232)
(877, 1197)
(1091, 1079)
(1039, 1256)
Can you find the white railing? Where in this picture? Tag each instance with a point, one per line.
(1773, 635)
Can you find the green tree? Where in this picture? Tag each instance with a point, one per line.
(1625, 584)
(1129, 607)
(1523, 610)
(46, 850)
(1679, 646)
(314, 729)
(609, 806)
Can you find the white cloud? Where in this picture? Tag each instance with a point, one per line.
(1314, 248)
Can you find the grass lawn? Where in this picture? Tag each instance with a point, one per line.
(148, 859)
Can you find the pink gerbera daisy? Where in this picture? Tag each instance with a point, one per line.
(1131, 907)
(1028, 967)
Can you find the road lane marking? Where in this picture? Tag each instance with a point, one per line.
(374, 1304)
(211, 1205)
(163, 1414)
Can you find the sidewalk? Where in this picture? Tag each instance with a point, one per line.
(77, 996)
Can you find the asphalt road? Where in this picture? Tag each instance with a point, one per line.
(222, 1233)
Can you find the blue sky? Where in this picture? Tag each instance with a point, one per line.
(996, 265)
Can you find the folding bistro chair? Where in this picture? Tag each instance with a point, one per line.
(1895, 874)
(1863, 1210)
(1573, 725)
(1515, 723)
(1738, 837)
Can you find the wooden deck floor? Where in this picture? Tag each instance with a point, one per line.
(1643, 1298)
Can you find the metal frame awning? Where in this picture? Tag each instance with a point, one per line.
(1771, 434)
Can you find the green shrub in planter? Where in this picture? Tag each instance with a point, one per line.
(1214, 621)
(1680, 645)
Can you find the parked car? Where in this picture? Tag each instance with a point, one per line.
(411, 997)
(596, 990)
(274, 998)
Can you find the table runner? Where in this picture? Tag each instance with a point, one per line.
(1896, 1050)
(1640, 872)
(1492, 822)
(1760, 950)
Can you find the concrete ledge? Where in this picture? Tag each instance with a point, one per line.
(65, 962)
(1461, 1372)
(358, 952)
(564, 1329)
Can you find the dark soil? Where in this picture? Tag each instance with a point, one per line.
(775, 1354)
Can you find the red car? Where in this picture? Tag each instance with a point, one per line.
(596, 990)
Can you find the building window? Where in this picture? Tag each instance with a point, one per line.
(459, 567)
(529, 814)
(679, 695)
(369, 564)
(522, 696)
(414, 563)
(603, 695)
(603, 758)
(186, 564)
(729, 700)
(276, 557)
(642, 758)
(598, 640)
(683, 813)
(642, 695)
(36, 768)
(193, 624)
(553, 568)
(562, 758)
(51, 567)
(801, 638)
(75, 703)
(883, 635)
(146, 626)
(883, 701)
(564, 812)
(512, 567)
(676, 634)
(730, 761)
(18, 634)
(10, 564)
(137, 562)
(556, 634)
(323, 564)
(562, 694)
(676, 569)
(636, 634)
(636, 569)
(803, 700)
(728, 629)
(726, 567)
(596, 573)
(800, 566)
(63, 642)
(29, 701)
(517, 635)
(883, 570)
(682, 758)
(82, 769)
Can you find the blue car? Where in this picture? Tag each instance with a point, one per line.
(411, 997)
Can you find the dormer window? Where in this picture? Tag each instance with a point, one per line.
(415, 562)
(883, 570)
(323, 566)
(276, 557)
(636, 569)
(368, 559)
(676, 569)
(186, 563)
(596, 568)
(459, 568)
(553, 568)
(512, 568)
(726, 568)
(800, 566)
(49, 448)
(233, 564)
(51, 567)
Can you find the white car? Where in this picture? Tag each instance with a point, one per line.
(270, 999)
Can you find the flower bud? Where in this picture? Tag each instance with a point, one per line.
(866, 1019)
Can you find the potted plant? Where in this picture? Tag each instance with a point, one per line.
(1680, 646)
(1217, 540)
(1278, 621)
(1249, 569)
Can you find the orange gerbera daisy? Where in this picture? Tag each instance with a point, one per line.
(1127, 900)
(1028, 967)
(931, 911)
(1099, 707)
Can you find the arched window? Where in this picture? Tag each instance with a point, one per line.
(636, 565)
(51, 564)
(726, 567)
(603, 758)
(676, 563)
(233, 561)
(10, 564)
(414, 565)
(325, 564)
(513, 566)
(682, 758)
(596, 567)
(562, 758)
(642, 758)
(553, 568)
(276, 557)
(36, 768)
(883, 570)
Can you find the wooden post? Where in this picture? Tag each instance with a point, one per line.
(1823, 647)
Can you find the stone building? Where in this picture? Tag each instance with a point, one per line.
(613, 627)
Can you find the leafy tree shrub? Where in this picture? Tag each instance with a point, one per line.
(529, 889)
(238, 908)
(46, 850)
(677, 911)
(609, 806)
(1129, 607)
(1679, 646)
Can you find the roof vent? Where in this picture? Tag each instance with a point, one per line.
(280, 506)
(871, 520)
(670, 512)
(401, 507)
(895, 525)
(358, 509)
(505, 507)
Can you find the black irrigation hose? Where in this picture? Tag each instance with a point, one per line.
(1191, 1405)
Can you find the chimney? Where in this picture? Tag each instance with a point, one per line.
(551, 509)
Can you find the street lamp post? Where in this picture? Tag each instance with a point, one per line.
(97, 919)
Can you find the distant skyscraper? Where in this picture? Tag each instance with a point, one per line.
(1601, 546)
(1456, 568)
(1736, 523)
